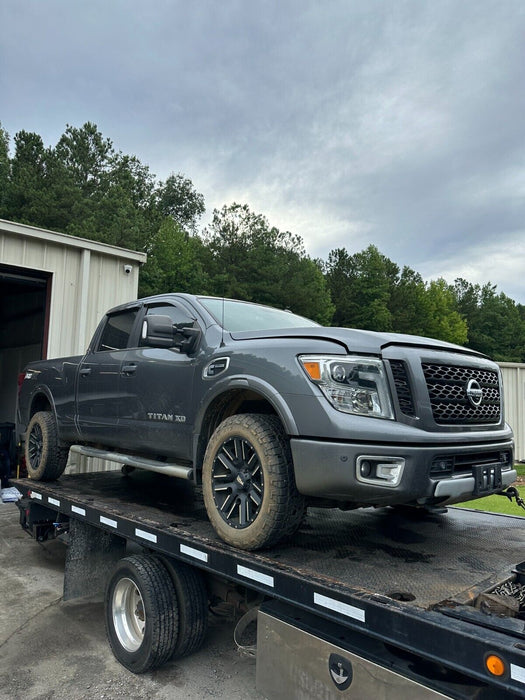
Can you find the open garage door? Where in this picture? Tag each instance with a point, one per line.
(24, 320)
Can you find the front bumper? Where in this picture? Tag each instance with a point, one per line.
(329, 470)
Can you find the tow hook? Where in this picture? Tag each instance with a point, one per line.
(512, 492)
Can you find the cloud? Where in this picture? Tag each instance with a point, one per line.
(398, 124)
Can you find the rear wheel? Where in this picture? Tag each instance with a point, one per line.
(141, 613)
(248, 482)
(46, 455)
(192, 602)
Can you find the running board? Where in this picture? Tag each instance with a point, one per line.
(151, 465)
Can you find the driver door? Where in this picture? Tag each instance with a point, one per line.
(156, 412)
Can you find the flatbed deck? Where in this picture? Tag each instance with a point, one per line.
(402, 578)
(424, 559)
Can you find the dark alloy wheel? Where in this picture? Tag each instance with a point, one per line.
(46, 455)
(237, 482)
(248, 482)
(35, 445)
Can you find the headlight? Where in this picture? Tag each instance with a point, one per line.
(351, 384)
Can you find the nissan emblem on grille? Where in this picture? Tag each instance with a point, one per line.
(474, 392)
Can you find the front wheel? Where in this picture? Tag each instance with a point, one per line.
(46, 455)
(248, 482)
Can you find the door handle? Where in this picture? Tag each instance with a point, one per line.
(128, 369)
(85, 371)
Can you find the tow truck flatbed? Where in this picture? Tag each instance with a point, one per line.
(402, 579)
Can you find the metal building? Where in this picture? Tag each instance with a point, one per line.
(514, 388)
(54, 289)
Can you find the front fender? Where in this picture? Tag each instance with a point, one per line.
(259, 386)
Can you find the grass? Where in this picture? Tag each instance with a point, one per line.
(499, 504)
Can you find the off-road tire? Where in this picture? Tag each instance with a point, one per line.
(46, 455)
(229, 481)
(141, 613)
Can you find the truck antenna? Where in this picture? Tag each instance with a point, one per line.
(222, 325)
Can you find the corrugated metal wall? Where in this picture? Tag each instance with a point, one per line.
(514, 388)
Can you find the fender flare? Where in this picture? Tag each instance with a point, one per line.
(266, 390)
(38, 391)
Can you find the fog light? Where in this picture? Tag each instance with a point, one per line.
(379, 470)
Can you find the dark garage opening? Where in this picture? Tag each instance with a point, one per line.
(24, 314)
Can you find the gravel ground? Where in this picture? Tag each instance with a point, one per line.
(50, 649)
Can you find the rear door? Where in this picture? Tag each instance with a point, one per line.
(156, 411)
(99, 396)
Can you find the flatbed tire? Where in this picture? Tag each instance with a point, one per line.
(141, 613)
(192, 602)
(281, 509)
(46, 455)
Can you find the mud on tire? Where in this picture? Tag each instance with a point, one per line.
(46, 455)
(248, 482)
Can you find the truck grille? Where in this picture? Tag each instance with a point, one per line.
(447, 389)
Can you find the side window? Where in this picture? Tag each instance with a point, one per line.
(117, 330)
(176, 314)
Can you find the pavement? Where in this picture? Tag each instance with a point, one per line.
(50, 649)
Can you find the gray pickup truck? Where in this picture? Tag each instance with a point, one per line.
(271, 412)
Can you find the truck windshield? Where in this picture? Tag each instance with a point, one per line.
(242, 316)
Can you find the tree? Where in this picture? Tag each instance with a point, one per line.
(409, 303)
(248, 259)
(174, 263)
(85, 155)
(25, 195)
(178, 198)
(496, 323)
(442, 320)
(361, 285)
(4, 168)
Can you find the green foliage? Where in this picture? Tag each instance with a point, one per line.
(496, 323)
(370, 293)
(361, 284)
(84, 187)
(174, 263)
(443, 320)
(178, 198)
(4, 168)
(248, 259)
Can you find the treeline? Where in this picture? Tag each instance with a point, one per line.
(84, 187)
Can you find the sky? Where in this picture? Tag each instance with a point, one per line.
(397, 123)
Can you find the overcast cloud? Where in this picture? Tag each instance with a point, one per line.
(349, 123)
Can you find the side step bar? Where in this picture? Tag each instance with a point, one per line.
(151, 465)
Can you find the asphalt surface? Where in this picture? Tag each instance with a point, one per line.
(50, 649)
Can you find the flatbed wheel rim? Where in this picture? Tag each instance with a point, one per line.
(129, 616)
(237, 482)
(36, 445)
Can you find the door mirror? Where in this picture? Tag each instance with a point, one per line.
(160, 332)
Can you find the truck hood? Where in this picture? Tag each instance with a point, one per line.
(354, 340)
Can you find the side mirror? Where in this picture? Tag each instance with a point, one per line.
(157, 331)
(160, 332)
